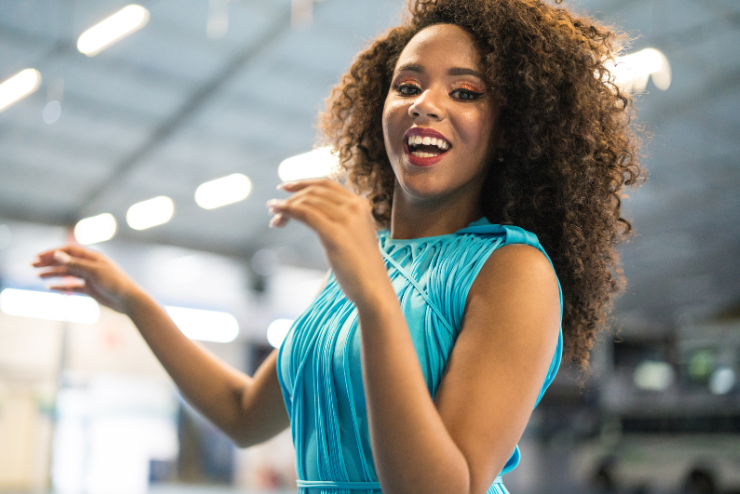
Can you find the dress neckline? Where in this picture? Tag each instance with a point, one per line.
(401, 241)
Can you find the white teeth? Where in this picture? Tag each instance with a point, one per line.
(428, 141)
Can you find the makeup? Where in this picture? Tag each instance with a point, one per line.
(425, 146)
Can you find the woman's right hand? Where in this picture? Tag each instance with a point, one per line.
(102, 279)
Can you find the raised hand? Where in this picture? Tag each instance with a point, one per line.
(346, 229)
(97, 276)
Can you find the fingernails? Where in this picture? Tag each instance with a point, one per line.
(284, 185)
(275, 221)
(274, 203)
(61, 257)
(35, 261)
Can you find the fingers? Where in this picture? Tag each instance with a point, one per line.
(279, 221)
(320, 184)
(70, 288)
(292, 207)
(55, 272)
(62, 264)
(56, 256)
(318, 203)
(312, 211)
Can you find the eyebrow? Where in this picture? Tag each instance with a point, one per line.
(415, 67)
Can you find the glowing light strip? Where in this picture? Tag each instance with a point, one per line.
(320, 162)
(116, 27)
(51, 306)
(18, 87)
(205, 325)
(196, 324)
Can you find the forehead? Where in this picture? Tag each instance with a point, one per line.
(442, 43)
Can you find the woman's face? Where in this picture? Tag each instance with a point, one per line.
(439, 121)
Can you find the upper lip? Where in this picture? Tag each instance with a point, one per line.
(424, 132)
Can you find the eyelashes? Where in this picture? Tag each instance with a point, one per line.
(467, 94)
(464, 92)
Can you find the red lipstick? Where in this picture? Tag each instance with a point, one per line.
(424, 132)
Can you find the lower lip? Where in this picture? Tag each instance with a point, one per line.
(419, 161)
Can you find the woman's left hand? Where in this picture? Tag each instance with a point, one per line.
(346, 228)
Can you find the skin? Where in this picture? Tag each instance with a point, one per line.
(437, 84)
(459, 442)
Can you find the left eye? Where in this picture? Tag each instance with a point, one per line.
(465, 94)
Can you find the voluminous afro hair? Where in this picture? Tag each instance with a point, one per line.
(570, 148)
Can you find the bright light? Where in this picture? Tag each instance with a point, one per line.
(223, 191)
(722, 381)
(631, 72)
(53, 306)
(205, 325)
(153, 212)
(116, 27)
(277, 331)
(320, 162)
(653, 376)
(18, 87)
(95, 229)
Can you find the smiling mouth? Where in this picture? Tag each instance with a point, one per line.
(426, 147)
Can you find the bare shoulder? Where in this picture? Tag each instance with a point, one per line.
(515, 266)
(517, 284)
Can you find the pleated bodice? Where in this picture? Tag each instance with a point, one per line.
(319, 362)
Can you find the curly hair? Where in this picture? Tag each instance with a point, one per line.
(570, 146)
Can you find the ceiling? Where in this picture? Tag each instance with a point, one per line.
(168, 108)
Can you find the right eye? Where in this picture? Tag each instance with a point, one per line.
(408, 89)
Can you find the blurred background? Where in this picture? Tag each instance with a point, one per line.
(156, 133)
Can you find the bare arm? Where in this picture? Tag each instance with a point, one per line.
(248, 409)
(458, 443)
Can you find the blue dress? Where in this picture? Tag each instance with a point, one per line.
(319, 361)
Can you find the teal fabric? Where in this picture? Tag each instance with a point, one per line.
(319, 362)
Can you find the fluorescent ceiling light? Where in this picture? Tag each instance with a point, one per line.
(320, 162)
(116, 27)
(153, 212)
(205, 325)
(223, 191)
(52, 306)
(18, 87)
(631, 72)
(277, 331)
(95, 229)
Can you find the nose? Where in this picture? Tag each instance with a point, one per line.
(427, 105)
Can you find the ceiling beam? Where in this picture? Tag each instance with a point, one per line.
(200, 97)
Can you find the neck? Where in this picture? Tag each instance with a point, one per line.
(414, 218)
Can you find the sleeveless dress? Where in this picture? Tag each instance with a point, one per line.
(319, 361)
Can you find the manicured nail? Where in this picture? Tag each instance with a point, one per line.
(36, 260)
(61, 257)
(285, 185)
(276, 221)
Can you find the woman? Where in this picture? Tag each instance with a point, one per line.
(485, 135)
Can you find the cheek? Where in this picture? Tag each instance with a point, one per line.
(476, 126)
(394, 114)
